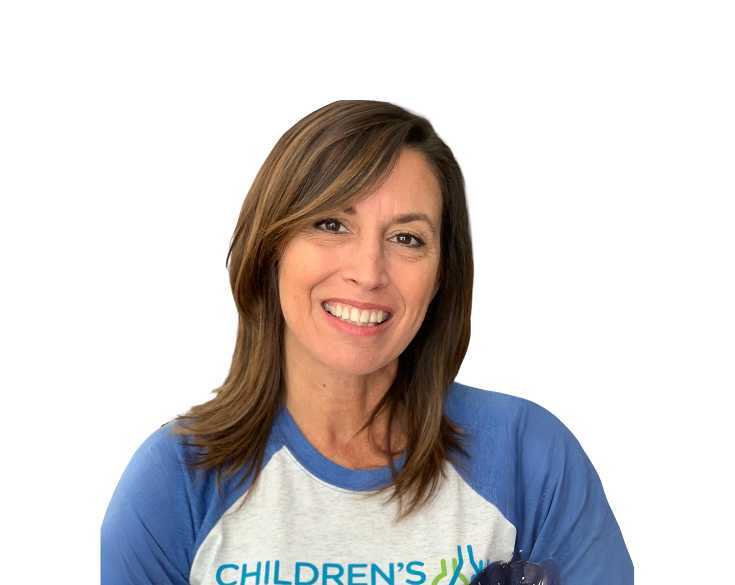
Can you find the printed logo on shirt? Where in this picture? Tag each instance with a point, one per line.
(449, 571)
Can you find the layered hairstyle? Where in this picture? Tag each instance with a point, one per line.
(325, 162)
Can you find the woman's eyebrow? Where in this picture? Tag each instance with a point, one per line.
(404, 218)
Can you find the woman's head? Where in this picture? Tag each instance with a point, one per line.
(376, 160)
(366, 253)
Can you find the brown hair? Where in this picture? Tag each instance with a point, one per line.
(326, 161)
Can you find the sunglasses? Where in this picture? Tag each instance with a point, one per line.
(517, 572)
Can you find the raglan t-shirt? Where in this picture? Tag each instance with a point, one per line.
(527, 488)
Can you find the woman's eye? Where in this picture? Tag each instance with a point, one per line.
(332, 221)
(419, 242)
(329, 220)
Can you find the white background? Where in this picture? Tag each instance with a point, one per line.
(597, 144)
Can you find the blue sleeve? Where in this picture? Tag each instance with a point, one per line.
(147, 534)
(567, 518)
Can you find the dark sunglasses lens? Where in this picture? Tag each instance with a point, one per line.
(493, 574)
(526, 573)
(516, 573)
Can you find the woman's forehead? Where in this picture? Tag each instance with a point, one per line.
(410, 188)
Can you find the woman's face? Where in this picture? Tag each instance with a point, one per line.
(364, 256)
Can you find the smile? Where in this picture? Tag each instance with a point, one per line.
(356, 316)
(370, 327)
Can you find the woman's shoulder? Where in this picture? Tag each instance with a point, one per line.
(485, 409)
(527, 462)
(161, 452)
(516, 434)
(151, 521)
(156, 469)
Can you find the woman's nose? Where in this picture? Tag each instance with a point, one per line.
(366, 263)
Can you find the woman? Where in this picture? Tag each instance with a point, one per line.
(351, 268)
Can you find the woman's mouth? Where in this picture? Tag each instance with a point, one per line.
(367, 325)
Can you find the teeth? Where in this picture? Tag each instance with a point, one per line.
(356, 316)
